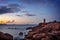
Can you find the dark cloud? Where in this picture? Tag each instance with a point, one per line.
(18, 15)
(4, 9)
(8, 22)
(30, 15)
(11, 21)
(10, 8)
(14, 7)
(27, 13)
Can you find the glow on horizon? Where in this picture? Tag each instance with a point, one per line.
(18, 20)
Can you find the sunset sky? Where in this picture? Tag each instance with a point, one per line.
(29, 11)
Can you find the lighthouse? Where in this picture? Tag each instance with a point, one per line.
(44, 20)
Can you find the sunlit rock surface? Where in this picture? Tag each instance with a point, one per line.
(45, 31)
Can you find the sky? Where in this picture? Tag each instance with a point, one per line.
(29, 11)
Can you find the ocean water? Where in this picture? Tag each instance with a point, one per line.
(15, 30)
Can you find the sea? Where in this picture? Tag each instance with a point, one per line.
(15, 30)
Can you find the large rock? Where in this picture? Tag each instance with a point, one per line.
(5, 36)
(45, 31)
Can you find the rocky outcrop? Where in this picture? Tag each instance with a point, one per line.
(5, 36)
(21, 33)
(45, 31)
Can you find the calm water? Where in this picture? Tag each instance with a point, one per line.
(15, 29)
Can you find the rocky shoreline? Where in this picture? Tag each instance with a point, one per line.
(5, 36)
(45, 31)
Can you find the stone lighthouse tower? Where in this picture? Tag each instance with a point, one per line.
(44, 20)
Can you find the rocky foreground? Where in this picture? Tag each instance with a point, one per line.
(5, 36)
(45, 31)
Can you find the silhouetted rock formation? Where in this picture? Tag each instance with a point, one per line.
(45, 31)
(5, 36)
(29, 28)
(21, 33)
